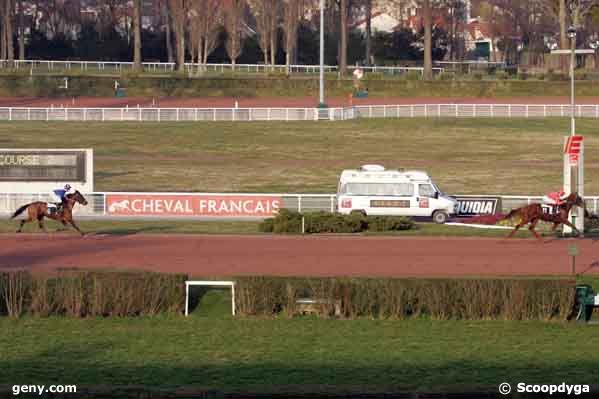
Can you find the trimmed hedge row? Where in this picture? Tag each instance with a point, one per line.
(91, 294)
(469, 299)
(252, 86)
(288, 221)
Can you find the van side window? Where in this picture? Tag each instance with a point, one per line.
(426, 190)
(382, 189)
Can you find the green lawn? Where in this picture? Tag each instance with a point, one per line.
(294, 355)
(234, 227)
(463, 155)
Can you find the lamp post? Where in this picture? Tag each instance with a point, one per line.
(572, 36)
(321, 89)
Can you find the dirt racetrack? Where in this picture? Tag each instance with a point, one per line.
(225, 255)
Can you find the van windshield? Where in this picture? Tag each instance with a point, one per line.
(372, 189)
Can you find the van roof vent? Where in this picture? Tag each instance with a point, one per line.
(372, 168)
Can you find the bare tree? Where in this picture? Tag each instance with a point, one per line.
(234, 18)
(178, 9)
(266, 14)
(428, 51)
(137, 35)
(343, 22)
(2, 33)
(206, 21)
(368, 4)
(7, 14)
(21, 30)
(274, 30)
(293, 12)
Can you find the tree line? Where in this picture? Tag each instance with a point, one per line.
(196, 29)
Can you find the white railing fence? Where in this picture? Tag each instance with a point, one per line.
(191, 68)
(138, 114)
(96, 208)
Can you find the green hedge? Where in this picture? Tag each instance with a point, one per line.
(255, 86)
(91, 294)
(288, 221)
(471, 299)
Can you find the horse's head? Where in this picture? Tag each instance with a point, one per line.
(575, 199)
(77, 197)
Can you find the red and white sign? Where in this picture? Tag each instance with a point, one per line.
(192, 205)
(573, 145)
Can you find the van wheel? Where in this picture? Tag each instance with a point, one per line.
(356, 212)
(440, 217)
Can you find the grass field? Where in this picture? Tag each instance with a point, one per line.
(212, 352)
(223, 227)
(491, 156)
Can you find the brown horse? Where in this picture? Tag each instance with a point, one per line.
(534, 212)
(39, 210)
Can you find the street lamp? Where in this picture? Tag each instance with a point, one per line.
(321, 89)
(572, 36)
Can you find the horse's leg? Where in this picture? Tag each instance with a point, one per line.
(23, 221)
(532, 228)
(40, 222)
(515, 230)
(567, 223)
(72, 222)
(30, 217)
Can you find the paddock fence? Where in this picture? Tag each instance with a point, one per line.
(112, 67)
(143, 114)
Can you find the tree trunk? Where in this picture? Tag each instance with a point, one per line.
(169, 42)
(21, 32)
(180, 39)
(2, 34)
(343, 51)
(137, 35)
(368, 31)
(428, 53)
(10, 48)
(563, 38)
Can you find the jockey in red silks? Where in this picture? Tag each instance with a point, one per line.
(555, 198)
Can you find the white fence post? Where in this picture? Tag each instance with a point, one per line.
(10, 114)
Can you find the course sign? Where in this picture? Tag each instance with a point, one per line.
(190, 205)
(475, 206)
(572, 148)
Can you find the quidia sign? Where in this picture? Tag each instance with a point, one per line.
(474, 206)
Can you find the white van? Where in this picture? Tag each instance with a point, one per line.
(374, 190)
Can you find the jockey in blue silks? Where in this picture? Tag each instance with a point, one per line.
(59, 195)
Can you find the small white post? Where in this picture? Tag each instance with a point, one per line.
(233, 298)
(186, 298)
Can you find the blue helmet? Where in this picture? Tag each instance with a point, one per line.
(67, 187)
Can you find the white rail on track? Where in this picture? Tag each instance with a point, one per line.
(140, 114)
(157, 67)
(96, 207)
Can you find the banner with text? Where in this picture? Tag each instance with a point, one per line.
(475, 206)
(192, 205)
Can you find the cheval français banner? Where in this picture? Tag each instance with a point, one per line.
(191, 205)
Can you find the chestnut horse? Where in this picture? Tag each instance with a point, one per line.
(39, 210)
(534, 212)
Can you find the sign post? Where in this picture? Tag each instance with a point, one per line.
(574, 177)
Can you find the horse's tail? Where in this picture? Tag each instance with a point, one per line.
(19, 211)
